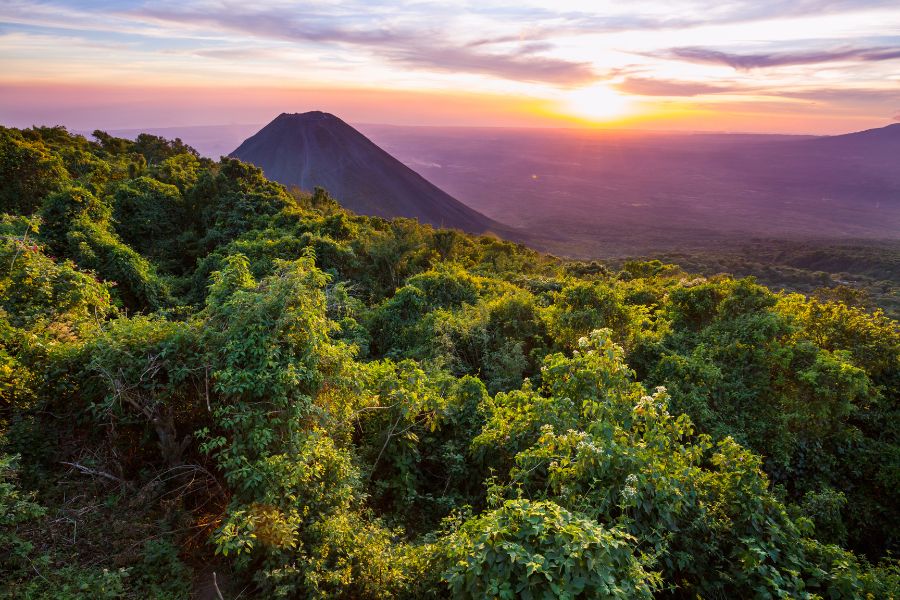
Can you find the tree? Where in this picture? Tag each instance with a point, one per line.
(28, 172)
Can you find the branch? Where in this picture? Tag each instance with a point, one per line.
(216, 586)
(89, 471)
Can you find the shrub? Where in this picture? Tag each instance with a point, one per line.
(538, 550)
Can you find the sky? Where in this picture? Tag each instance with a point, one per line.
(774, 66)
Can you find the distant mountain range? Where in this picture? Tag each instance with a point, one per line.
(882, 139)
(317, 149)
(878, 148)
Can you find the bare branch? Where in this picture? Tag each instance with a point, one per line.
(216, 586)
(94, 472)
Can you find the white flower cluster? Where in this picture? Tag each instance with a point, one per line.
(586, 445)
(630, 489)
(685, 282)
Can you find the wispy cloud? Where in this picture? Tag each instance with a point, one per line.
(413, 47)
(743, 62)
(747, 10)
(520, 66)
(296, 26)
(644, 86)
(237, 54)
(855, 96)
(562, 18)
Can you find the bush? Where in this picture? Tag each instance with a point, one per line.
(539, 550)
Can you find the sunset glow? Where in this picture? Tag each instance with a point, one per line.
(807, 67)
(597, 103)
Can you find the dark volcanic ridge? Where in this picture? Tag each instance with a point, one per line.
(317, 149)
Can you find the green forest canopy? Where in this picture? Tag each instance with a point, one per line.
(202, 371)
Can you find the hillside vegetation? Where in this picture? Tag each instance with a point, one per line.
(862, 272)
(210, 384)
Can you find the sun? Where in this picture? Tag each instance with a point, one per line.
(596, 103)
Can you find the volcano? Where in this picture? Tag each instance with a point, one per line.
(317, 149)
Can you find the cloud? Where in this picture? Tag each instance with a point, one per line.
(744, 62)
(748, 10)
(233, 54)
(897, 116)
(875, 99)
(642, 86)
(521, 41)
(843, 96)
(411, 47)
(645, 15)
(520, 66)
(275, 24)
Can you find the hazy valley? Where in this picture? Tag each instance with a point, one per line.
(607, 193)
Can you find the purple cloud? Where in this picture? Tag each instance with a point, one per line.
(744, 62)
(642, 86)
(845, 96)
(414, 48)
(520, 66)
